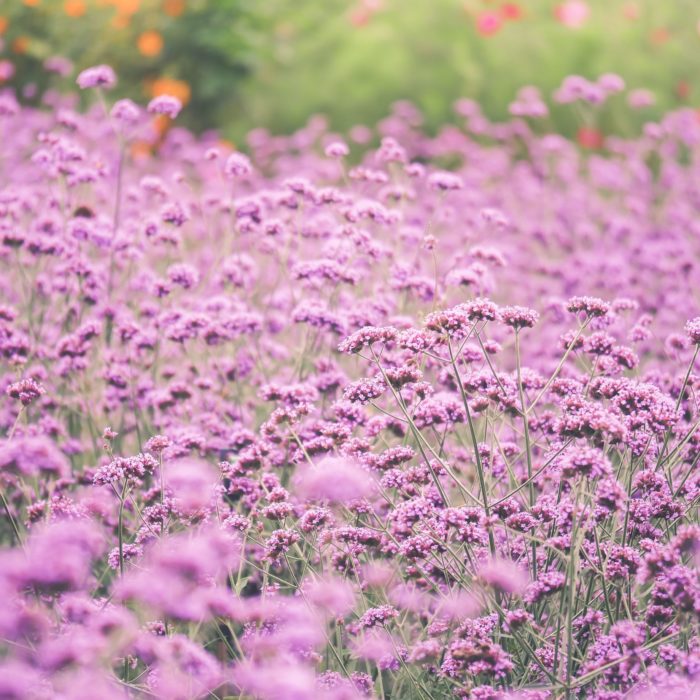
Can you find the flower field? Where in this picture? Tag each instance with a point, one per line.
(385, 415)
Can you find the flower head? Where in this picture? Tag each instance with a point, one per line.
(168, 105)
(98, 76)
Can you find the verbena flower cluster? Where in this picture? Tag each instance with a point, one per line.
(331, 420)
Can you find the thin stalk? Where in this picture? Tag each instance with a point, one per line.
(120, 526)
(477, 456)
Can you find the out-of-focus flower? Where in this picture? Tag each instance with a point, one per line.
(168, 105)
(336, 480)
(102, 76)
(572, 13)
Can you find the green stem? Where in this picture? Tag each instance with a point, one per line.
(120, 527)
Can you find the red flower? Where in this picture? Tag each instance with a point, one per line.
(511, 10)
(588, 137)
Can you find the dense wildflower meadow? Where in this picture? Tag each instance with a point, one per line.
(388, 416)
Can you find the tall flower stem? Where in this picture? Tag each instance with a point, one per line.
(477, 457)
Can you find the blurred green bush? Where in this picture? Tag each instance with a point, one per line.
(272, 63)
(198, 50)
(351, 60)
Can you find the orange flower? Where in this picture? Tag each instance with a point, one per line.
(141, 150)
(170, 86)
(150, 43)
(161, 124)
(31, 3)
(20, 44)
(631, 11)
(120, 21)
(683, 90)
(174, 8)
(659, 36)
(3, 24)
(75, 8)
(127, 7)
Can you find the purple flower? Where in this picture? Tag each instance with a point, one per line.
(26, 390)
(97, 76)
(546, 584)
(126, 111)
(33, 456)
(692, 330)
(445, 181)
(58, 557)
(165, 104)
(192, 484)
(374, 617)
(238, 166)
(503, 576)
(337, 149)
(590, 306)
(332, 595)
(518, 317)
(335, 480)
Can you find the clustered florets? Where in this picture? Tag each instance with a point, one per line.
(369, 435)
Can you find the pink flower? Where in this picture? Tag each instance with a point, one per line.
(192, 483)
(572, 13)
(504, 576)
(488, 23)
(336, 480)
(332, 595)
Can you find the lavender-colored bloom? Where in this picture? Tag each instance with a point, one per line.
(333, 596)
(26, 390)
(445, 181)
(692, 329)
(518, 317)
(274, 680)
(59, 65)
(503, 576)
(33, 456)
(365, 390)
(337, 149)
(377, 616)
(125, 468)
(98, 76)
(639, 99)
(183, 275)
(546, 584)
(192, 484)
(335, 480)
(590, 306)
(238, 166)
(165, 104)
(319, 464)
(58, 557)
(125, 111)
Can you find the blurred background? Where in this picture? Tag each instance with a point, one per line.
(242, 64)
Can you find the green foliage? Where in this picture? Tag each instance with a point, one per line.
(321, 59)
(206, 48)
(273, 63)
